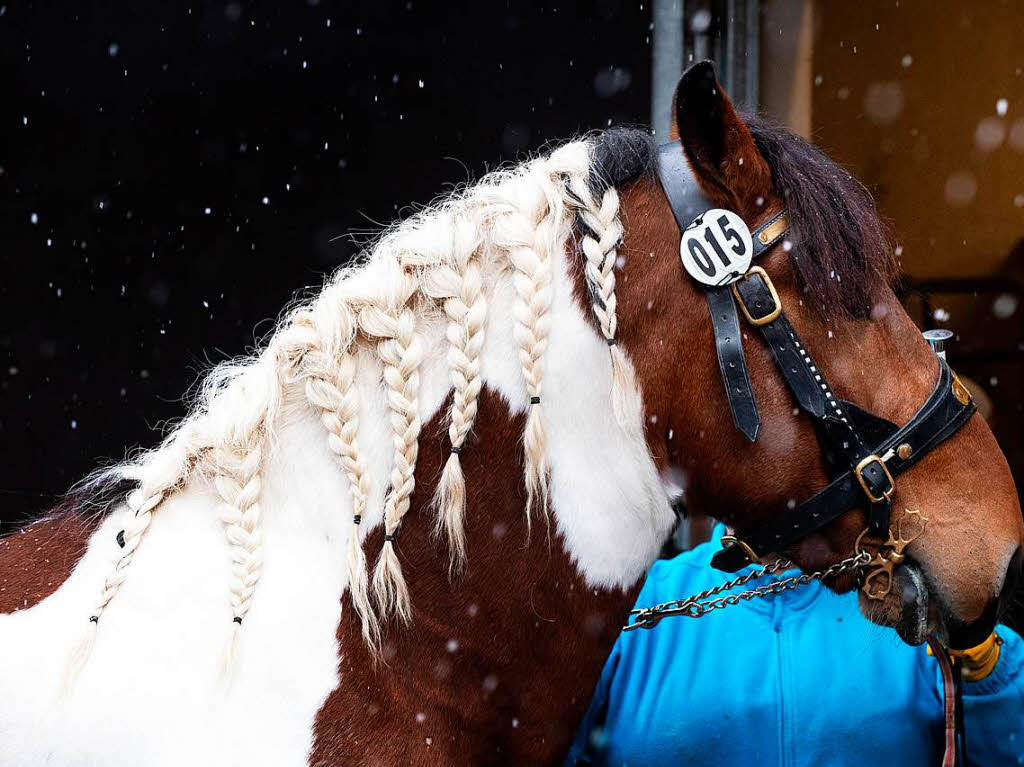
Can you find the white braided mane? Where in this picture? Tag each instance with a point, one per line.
(420, 293)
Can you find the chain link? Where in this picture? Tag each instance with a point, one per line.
(701, 604)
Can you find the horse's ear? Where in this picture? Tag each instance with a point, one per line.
(722, 153)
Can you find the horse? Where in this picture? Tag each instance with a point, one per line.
(501, 401)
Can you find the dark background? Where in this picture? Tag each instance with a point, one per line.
(170, 175)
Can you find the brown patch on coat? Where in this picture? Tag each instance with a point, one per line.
(36, 560)
(500, 661)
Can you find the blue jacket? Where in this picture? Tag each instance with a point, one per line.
(798, 679)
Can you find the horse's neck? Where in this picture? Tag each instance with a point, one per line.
(504, 655)
(499, 660)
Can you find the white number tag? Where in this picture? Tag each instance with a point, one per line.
(716, 248)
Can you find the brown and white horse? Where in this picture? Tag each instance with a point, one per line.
(528, 348)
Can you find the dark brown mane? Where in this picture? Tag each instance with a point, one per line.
(841, 249)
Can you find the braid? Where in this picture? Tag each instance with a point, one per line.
(321, 353)
(466, 309)
(334, 394)
(401, 351)
(141, 502)
(237, 481)
(601, 236)
(524, 232)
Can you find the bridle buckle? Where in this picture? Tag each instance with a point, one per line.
(866, 465)
(760, 319)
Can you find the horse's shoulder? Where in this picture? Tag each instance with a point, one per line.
(37, 559)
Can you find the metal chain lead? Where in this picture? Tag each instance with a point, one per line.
(701, 604)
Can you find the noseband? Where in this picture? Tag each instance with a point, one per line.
(863, 452)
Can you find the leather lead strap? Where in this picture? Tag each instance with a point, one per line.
(952, 706)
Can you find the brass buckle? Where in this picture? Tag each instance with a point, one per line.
(732, 540)
(859, 472)
(774, 313)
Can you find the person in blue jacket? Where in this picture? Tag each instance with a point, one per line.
(801, 678)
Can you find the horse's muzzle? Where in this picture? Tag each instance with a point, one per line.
(964, 634)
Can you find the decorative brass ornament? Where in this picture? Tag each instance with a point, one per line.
(904, 451)
(889, 553)
(960, 391)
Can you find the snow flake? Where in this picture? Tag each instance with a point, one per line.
(1004, 306)
(1001, 106)
(960, 188)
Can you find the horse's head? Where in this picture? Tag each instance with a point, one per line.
(833, 274)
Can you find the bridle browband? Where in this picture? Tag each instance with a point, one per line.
(863, 452)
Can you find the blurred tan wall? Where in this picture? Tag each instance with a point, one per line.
(924, 102)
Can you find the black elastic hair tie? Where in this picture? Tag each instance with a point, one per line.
(534, 400)
(357, 519)
(237, 619)
(456, 449)
(94, 619)
(120, 539)
(389, 537)
(612, 342)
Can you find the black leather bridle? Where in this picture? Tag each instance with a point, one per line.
(863, 452)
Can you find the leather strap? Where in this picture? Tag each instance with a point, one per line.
(939, 417)
(688, 202)
(680, 185)
(731, 361)
(952, 705)
(792, 358)
(838, 434)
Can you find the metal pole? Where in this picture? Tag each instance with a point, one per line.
(753, 54)
(666, 62)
